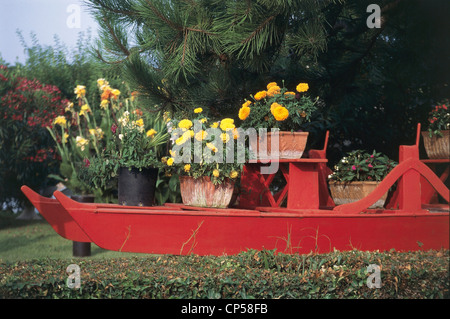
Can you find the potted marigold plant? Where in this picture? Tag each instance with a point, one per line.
(357, 174)
(437, 138)
(208, 157)
(283, 110)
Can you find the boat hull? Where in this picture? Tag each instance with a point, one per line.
(180, 230)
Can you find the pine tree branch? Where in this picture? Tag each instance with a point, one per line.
(258, 29)
(116, 39)
(163, 18)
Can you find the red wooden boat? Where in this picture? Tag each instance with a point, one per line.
(409, 222)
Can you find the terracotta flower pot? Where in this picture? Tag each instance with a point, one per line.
(291, 145)
(437, 146)
(344, 193)
(201, 192)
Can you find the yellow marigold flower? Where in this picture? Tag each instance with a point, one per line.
(216, 173)
(198, 110)
(235, 133)
(204, 120)
(247, 103)
(225, 137)
(201, 135)
(273, 90)
(170, 161)
(215, 125)
(151, 133)
(227, 124)
(80, 91)
(234, 174)
(244, 112)
(60, 120)
(289, 94)
(302, 87)
(180, 140)
(140, 122)
(212, 147)
(273, 106)
(187, 167)
(280, 113)
(186, 124)
(260, 95)
(81, 142)
(271, 84)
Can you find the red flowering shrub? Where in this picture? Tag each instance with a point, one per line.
(26, 149)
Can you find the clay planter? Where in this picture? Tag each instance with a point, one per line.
(137, 187)
(344, 193)
(201, 192)
(437, 146)
(291, 145)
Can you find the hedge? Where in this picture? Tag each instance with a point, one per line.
(250, 274)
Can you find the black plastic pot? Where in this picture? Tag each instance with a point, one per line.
(137, 187)
(82, 249)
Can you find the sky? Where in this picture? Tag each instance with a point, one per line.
(46, 18)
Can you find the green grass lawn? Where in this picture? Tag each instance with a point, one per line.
(22, 240)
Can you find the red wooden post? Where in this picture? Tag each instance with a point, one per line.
(303, 186)
(409, 183)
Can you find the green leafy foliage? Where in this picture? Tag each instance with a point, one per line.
(248, 275)
(359, 165)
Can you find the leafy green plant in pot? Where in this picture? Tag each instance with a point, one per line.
(357, 174)
(133, 159)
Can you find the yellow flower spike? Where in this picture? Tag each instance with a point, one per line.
(85, 109)
(302, 87)
(60, 120)
(104, 104)
(140, 122)
(80, 91)
(151, 133)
